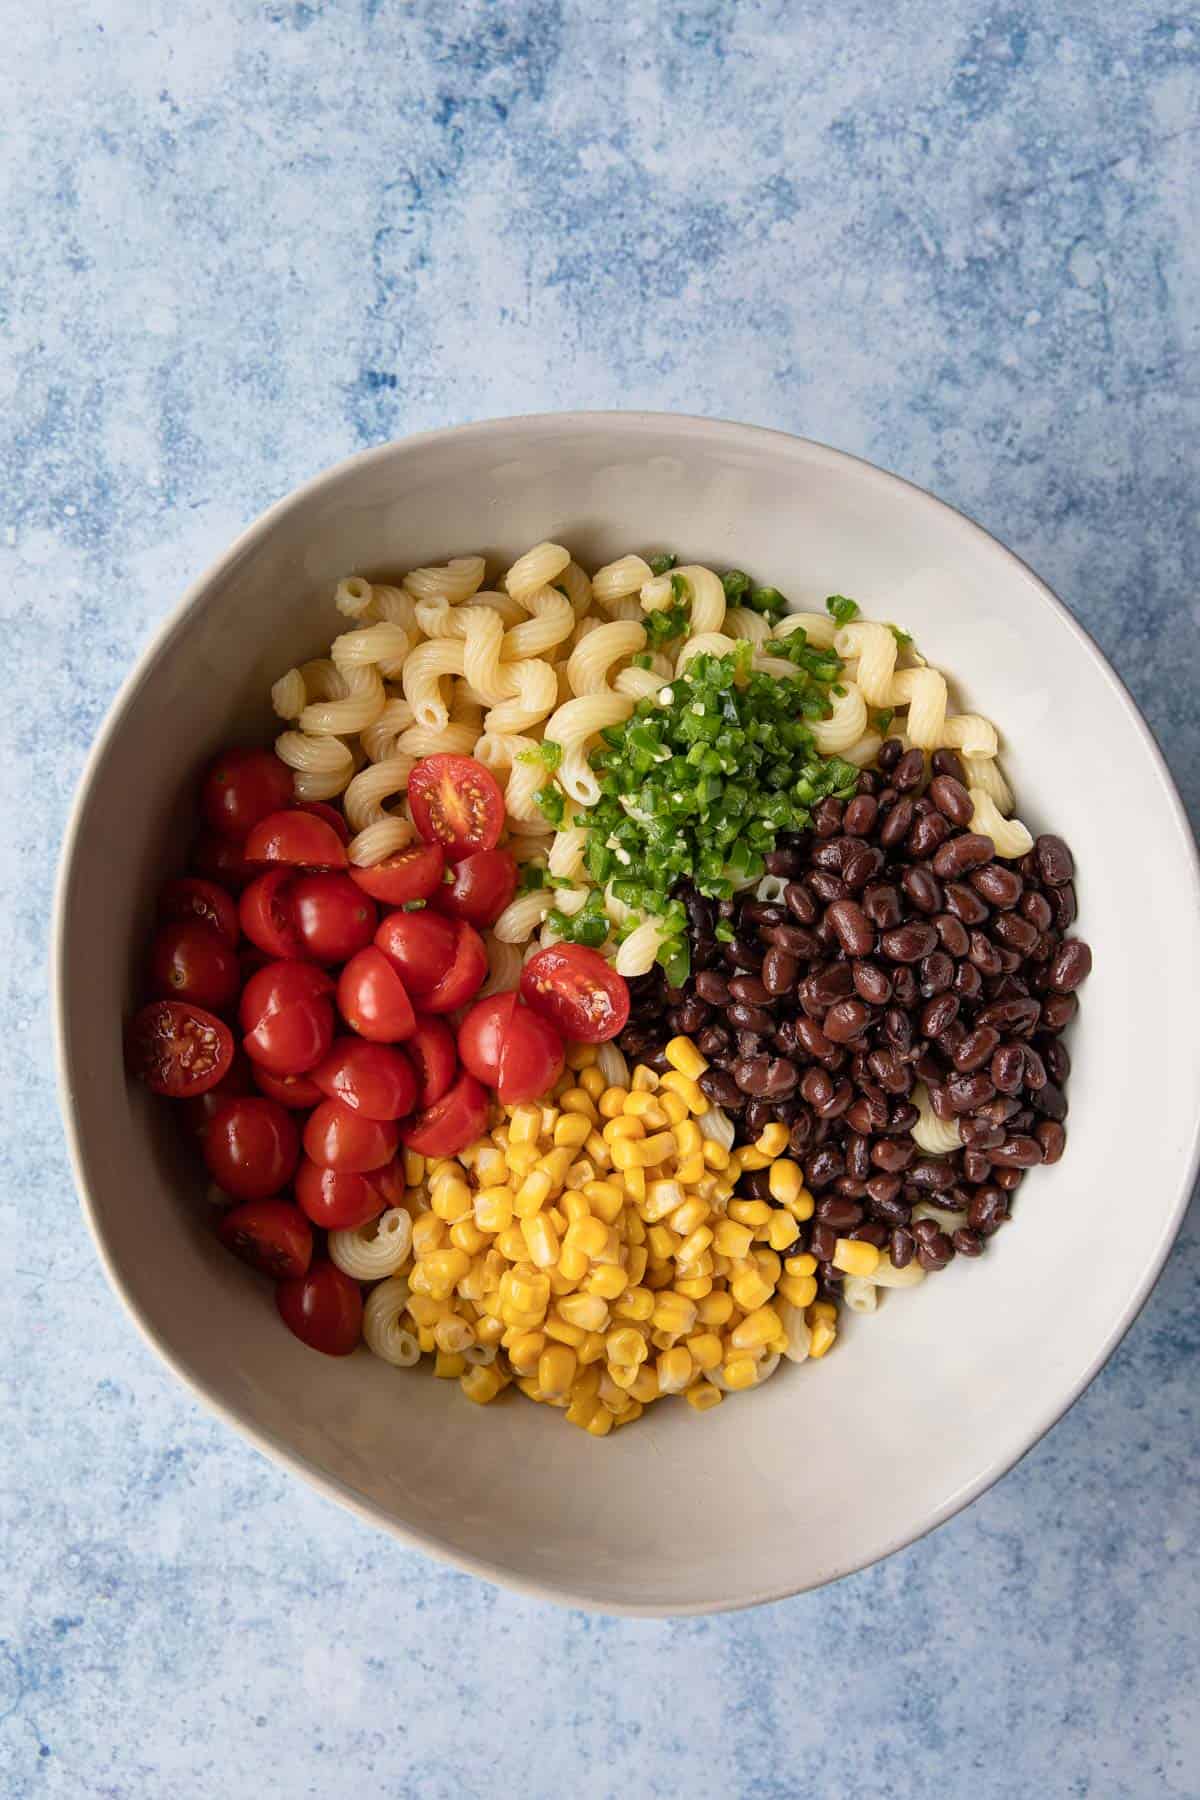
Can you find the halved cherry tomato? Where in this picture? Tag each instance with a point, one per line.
(483, 885)
(465, 976)
(337, 1199)
(456, 801)
(251, 1147)
(420, 946)
(287, 1017)
(373, 1000)
(237, 1079)
(451, 1123)
(323, 1309)
(320, 809)
(372, 1079)
(296, 1092)
(190, 960)
(514, 1050)
(220, 860)
(578, 991)
(265, 912)
(190, 897)
(295, 837)
(178, 1049)
(412, 874)
(334, 918)
(430, 1050)
(242, 787)
(336, 1137)
(273, 1236)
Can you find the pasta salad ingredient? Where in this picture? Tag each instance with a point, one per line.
(451, 1122)
(342, 1199)
(455, 802)
(241, 787)
(297, 836)
(179, 1049)
(193, 898)
(341, 1137)
(430, 1049)
(373, 999)
(412, 874)
(479, 888)
(323, 1308)
(190, 960)
(502, 1042)
(332, 916)
(251, 1147)
(576, 989)
(273, 1236)
(372, 1079)
(287, 1017)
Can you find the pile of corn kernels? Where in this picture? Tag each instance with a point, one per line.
(593, 1251)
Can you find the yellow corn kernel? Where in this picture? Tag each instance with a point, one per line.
(749, 1212)
(580, 1056)
(444, 1267)
(608, 1281)
(693, 1287)
(706, 1349)
(605, 1199)
(500, 1135)
(716, 1156)
(822, 1309)
(732, 1239)
(750, 1291)
(782, 1230)
(622, 1375)
(528, 1289)
(426, 1340)
(663, 1242)
(785, 1180)
(685, 1088)
(562, 1331)
(592, 1081)
(588, 1312)
(482, 1382)
(453, 1335)
(635, 1303)
(556, 1370)
(511, 1243)
(600, 1423)
(749, 1158)
(449, 1367)
(525, 1124)
(853, 1256)
(624, 1127)
(704, 1396)
(768, 1265)
(572, 1266)
(467, 1236)
(589, 1236)
(572, 1130)
(689, 1170)
(592, 1349)
(675, 1107)
(693, 1212)
(683, 1055)
(757, 1329)
(625, 1153)
(803, 1206)
(772, 1139)
(428, 1233)
(524, 1350)
(491, 1166)
(673, 1313)
(427, 1312)
(542, 1241)
(687, 1137)
(740, 1372)
(634, 1181)
(579, 1174)
(611, 1394)
(612, 1250)
(662, 1197)
(611, 1102)
(418, 1281)
(798, 1290)
(578, 1100)
(521, 1158)
(658, 1275)
(645, 1107)
(716, 1308)
(597, 1150)
(636, 1259)
(555, 1164)
(644, 1079)
(572, 1206)
(823, 1336)
(633, 1411)
(694, 1247)
(645, 1386)
(674, 1369)
(494, 1208)
(561, 1284)
(655, 1150)
(804, 1264)
(528, 1385)
(450, 1199)
(489, 1330)
(414, 1168)
(532, 1194)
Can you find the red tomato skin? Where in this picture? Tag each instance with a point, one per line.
(273, 1236)
(283, 982)
(295, 837)
(451, 1123)
(333, 918)
(465, 976)
(296, 1092)
(336, 1137)
(372, 1079)
(323, 1309)
(241, 787)
(192, 961)
(320, 809)
(481, 1036)
(430, 1050)
(336, 1199)
(251, 1147)
(420, 946)
(237, 1079)
(456, 802)
(221, 860)
(265, 915)
(191, 897)
(287, 1017)
(161, 1031)
(373, 1000)
(578, 991)
(412, 874)
(484, 883)
(532, 1057)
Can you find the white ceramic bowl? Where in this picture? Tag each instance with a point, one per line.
(831, 1465)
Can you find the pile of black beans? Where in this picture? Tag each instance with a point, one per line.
(901, 950)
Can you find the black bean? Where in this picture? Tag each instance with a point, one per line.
(824, 1166)
(1063, 901)
(902, 1118)
(889, 754)
(999, 886)
(860, 864)
(881, 903)
(964, 903)
(951, 798)
(967, 1242)
(721, 1088)
(756, 1183)
(1018, 1015)
(794, 939)
(923, 888)
(1015, 933)
(984, 955)
(1017, 1153)
(713, 1041)
(901, 1246)
(712, 987)
(1052, 1138)
(988, 1209)
(749, 1018)
(1050, 1102)
(935, 1250)
(1054, 1054)
(937, 973)
(871, 983)
(858, 820)
(980, 1134)
(931, 1174)
(952, 934)
(976, 1049)
(897, 823)
(822, 1242)
(800, 902)
(1071, 965)
(928, 832)
(1058, 1010)
(827, 887)
(1008, 1179)
(854, 930)
(945, 762)
(688, 1017)
(845, 1020)
(750, 989)
(975, 1165)
(937, 1014)
(908, 943)
(1055, 864)
(843, 1215)
(782, 1077)
(892, 1155)
(1037, 909)
(1035, 1077)
(787, 863)
(779, 971)
(967, 981)
(966, 1092)
(909, 772)
(827, 817)
(858, 1157)
(960, 854)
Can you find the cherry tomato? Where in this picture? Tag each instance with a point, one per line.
(336, 1137)
(483, 885)
(251, 1147)
(456, 801)
(237, 1079)
(333, 916)
(220, 860)
(337, 1199)
(451, 1123)
(242, 787)
(287, 1017)
(430, 1050)
(179, 1049)
(192, 898)
(412, 874)
(265, 912)
(514, 1050)
(296, 1092)
(420, 946)
(578, 991)
(323, 1308)
(372, 1079)
(373, 1000)
(465, 976)
(320, 809)
(192, 961)
(273, 1236)
(295, 837)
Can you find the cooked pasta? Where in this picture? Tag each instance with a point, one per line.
(551, 622)
(985, 773)
(707, 596)
(860, 1293)
(536, 693)
(818, 628)
(457, 580)
(1009, 836)
(638, 684)
(578, 588)
(378, 833)
(635, 956)
(743, 622)
(876, 649)
(593, 656)
(573, 726)
(504, 966)
(717, 1126)
(566, 852)
(924, 692)
(967, 731)
(536, 569)
(845, 725)
(708, 643)
(522, 916)
(289, 695)
(424, 669)
(618, 580)
(612, 1065)
(373, 1251)
(384, 1332)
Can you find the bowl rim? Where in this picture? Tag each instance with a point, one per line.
(696, 428)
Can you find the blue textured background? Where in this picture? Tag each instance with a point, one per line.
(241, 240)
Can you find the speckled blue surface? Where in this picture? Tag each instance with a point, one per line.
(241, 240)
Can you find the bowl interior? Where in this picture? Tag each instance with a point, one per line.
(832, 1464)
